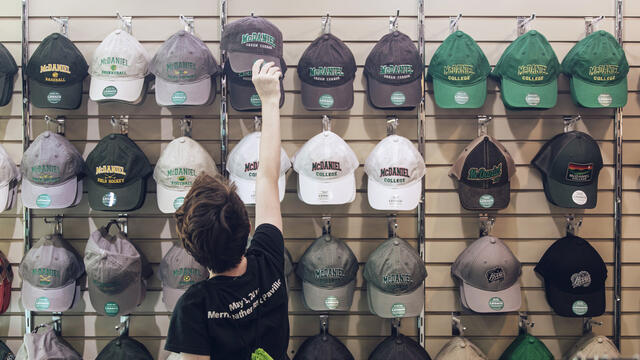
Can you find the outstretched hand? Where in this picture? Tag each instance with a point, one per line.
(266, 79)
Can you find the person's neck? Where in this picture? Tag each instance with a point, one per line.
(239, 270)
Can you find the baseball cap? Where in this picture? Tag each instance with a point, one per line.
(395, 274)
(117, 174)
(249, 39)
(118, 69)
(399, 347)
(394, 73)
(52, 171)
(56, 71)
(242, 165)
(48, 345)
(6, 278)
(394, 168)
(460, 348)
(459, 71)
(178, 271)
(528, 72)
(5, 352)
(9, 179)
(325, 165)
(116, 271)
(328, 270)
(598, 69)
(177, 168)
(326, 70)
(323, 347)
(489, 273)
(526, 347)
(574, 278)
(483, 171)
(124, 347)
(570, 164)
(592, 346)
(50, 271)
(185, 71)
(242, 94)
(8, 70)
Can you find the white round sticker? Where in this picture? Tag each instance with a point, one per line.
(605, 99)
(532, 99)
(579, 197)
(461, 97)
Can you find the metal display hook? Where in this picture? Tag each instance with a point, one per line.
(120, 124)
(57, 223)
(326, 24)
(63, 22)
(453, 23)
(523, 23)
(324, 325)
(126, 22)
(486, 224)
(483, 120)
(591, 24)
(185, 125)
(326, 225)
(326, 123)
(570, 122)
(395, 326)
(55, 322)
(457, 329)
(392, 226)
(587, 325)
(524, 323)
(393, 21)
(392, 125)
(573, 224)
(59, 121)
(257, 123)
(123, 327)
(189, 24)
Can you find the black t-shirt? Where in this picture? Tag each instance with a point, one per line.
(229, 317)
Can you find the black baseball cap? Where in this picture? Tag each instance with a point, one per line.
(483, 171)
(55, 72)
(5, 352)
(249, 39)
(243, 94)
(399, 347)
(8, 70)
(394, 72)
(124, 347)
(570, 164)
(323, 347)
(117, 174)
(326, 70)
(574, 278)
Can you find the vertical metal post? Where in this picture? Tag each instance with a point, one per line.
(224, 121)
(421, 204)
(617, 202)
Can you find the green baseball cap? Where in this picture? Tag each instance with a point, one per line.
(459, 71)
(598, 69)
(528, 72)
(527, 347)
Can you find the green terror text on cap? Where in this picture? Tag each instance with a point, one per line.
(528, 72)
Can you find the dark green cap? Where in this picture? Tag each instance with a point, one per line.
(528, 70)
(459, 71)
(598, 69)
(527, 347)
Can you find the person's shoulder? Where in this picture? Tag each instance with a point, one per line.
(268, 230)
(196, 292)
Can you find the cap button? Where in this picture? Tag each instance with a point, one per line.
(458, 33)
(600, 340)
(533, 32)
(531, 340)
(327, 238)
(182, 33)
(396, 242)
(492, 240)
(396, 33)
(47, 134)
(112, 136)
(55, 36)
(118, 31)
(325, 36)
(182, 140)
(463, 345)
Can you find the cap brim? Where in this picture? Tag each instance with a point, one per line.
(170, 200)
(470, 196)
(598, 96)
(174, 94)
(246, 189)
(170, 296)
(60, 299)
(387, 96)
(516, 95)
(316, 298)
(79, 189)
(6, 197)
(383, 197)
(57, 197)
(338, 98)
(381, 303)
(562, 302)
(245, 98)
(116, 199)
(450, 96)
(563, 195)
(127, 301)
(125, 90)
(67, 97)
(335, 192)
(478, 300)
(241, 61)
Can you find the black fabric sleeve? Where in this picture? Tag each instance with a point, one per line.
(188, 328)
(268, 239)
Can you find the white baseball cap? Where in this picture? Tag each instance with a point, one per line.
(118, 69)
(325, 165)
(242, 165)
(9, 179)
(178, 166)
(394, 168)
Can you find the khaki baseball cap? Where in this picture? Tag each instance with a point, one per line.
(592, 346)
(460, 348)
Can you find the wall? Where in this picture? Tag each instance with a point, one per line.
(528, 226)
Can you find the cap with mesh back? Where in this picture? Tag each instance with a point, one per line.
(178, 270)
(325, 165)
(460, 348)
(598, 69)
(8, 70)
(177, 168)
(489, 274)
(242, 166)
(118, 69)
(52, 171)
(394, 73)
(483, 171)
(9, 179)
(242, 94)
(459, 71)
(327, 69)
(592, 346)
(528, 71)
(6, 278)
(249, 39)
(394, 169)
(124, 347)
(395, 274)
(50, 271)
(570, 164)
(399, 347)
(116, 273)
(47, 344)
(323, 347)
(328, 270)
(185, 71)
(526, 347)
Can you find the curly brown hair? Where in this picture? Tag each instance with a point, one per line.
(213, 223)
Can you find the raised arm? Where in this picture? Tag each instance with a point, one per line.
(266, 80)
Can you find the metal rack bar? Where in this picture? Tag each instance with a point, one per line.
(617, 202)
(224, 121)
(421, 148)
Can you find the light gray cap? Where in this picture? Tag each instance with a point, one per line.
(178, 271)
(9, 179)
(51, 169)
(489, 275)
(593, 346)
(460, 348)
(46, 344)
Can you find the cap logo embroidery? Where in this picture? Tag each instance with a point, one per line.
(111, 171)
(458, 72)
(495, 275)
(187, 275)
(394, 171)
(482, 174)
(319, 166)
(397, 280)
(45, 275)
(181, 70)
(396, 69)
(326, 73)
(54, 69)
(580, 172)
(251, 168)
(532, 72)
(113, 62)
(45, 173)
(581, 279)
(603, 72)
(181, 175)
(258, 37)
(329, 273)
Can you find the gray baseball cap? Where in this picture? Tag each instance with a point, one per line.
(460, 348)
(592, 346)
(116, 271)
(328, 271)
(46, 344)
(9, 179)
(50, 273)
(185, 71)
(178, 271)
(51, 169)
(395, 273)
(489, 276)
